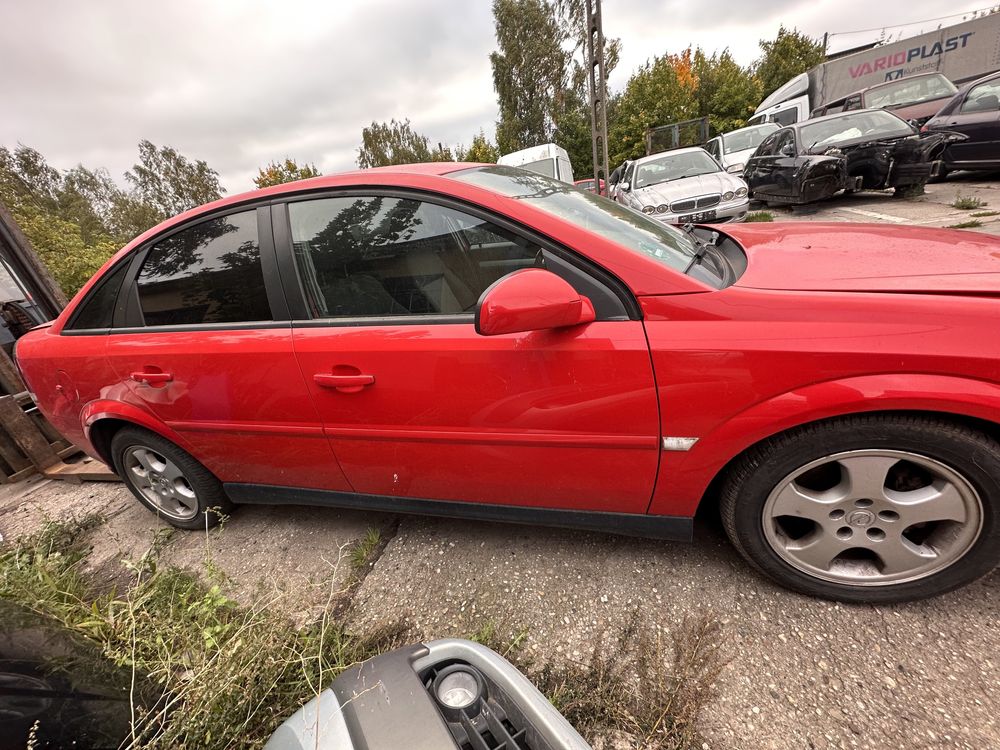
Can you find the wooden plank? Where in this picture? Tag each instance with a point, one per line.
(10, 378)
(87, 470)
(11, 454)
(26, 434)
(46, 292)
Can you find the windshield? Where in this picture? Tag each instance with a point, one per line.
(674, 167)
(603, 217)
(860, 125)
(910, 91)
(747, 138)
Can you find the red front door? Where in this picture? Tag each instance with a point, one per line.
(417, 404)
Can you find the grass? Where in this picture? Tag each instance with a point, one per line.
(225, 675)
(971, 224)
(759, 216)
(981, 214)
(363, 551)
(967, 202)
(228, 675)
(647, 686)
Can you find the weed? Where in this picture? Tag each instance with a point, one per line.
(364, 549)
(967, 202)
(971, 224)
(228, 675)
(985, 213)
(759, 216)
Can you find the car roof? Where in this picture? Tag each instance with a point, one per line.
(671, 152)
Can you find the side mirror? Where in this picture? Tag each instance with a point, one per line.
(788, 150)
(734, 168)
(531, 299)
(624, 186)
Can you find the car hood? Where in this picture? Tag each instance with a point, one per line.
(844, 257)
(687, 187)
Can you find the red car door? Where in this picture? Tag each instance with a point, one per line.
(418, 405)
(201, 349)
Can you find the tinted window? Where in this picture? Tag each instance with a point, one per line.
(381, 256)
(97, 311)
(983, 98)
(768, 147)
(208, 273)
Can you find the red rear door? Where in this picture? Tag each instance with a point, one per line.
(416, 404)
(201, 349)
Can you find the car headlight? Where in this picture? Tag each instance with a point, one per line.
(648, 209)
(741, 193)
(662, 208)
(728, 196)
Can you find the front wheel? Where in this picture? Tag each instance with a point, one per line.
(875, 509)
(168, 480)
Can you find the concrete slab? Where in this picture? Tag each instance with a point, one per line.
(804, 672)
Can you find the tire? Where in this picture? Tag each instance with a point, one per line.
(813, 493)
(179, 489)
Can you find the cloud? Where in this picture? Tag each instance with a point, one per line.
(241, 82)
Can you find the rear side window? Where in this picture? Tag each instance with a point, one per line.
(380, 256)
(208, 273)
(98, 310)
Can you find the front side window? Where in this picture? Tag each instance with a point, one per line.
(207, 273)
(983, 98)
(378, 256)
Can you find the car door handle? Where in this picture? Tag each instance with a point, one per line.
(343, 383)
(152, 378)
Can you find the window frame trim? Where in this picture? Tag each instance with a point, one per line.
(295, 294)
(128, 316)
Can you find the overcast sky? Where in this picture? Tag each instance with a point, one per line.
(239, 82)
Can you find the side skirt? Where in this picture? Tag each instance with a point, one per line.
(671, 528)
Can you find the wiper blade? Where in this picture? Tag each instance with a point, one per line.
(701, 246)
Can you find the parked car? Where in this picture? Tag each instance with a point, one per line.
(484, 342)
(681, 186)
(975, 113)
(914, 98)
(449, 693)
(588, 185)
(867, 150)
(732, 149)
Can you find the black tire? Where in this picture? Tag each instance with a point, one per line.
(972, 455)
(209, 503)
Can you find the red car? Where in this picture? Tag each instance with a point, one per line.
(588, 185)
(484, 342)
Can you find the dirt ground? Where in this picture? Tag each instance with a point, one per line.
(803, 673)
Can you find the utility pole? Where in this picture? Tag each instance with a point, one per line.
(598, 92)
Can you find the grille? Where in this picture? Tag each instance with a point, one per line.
(695, 204)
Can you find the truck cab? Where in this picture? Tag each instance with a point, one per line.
(548, 159)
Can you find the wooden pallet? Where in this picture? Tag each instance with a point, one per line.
(85, 470)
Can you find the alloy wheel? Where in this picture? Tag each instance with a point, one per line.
(872, 517)
(161, 482)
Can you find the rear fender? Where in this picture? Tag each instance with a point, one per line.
(102, 409)
(684, 477)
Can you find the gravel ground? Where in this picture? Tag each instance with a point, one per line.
(803, 673)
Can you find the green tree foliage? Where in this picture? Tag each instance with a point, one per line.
(77, 219)
(276, 173)
(529, 72)
(786, 56)
(386, 143)
(727, 94)
(482, 150)
(660, 92)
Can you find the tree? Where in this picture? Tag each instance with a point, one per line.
(168, 183)
(279, 173)
(658, 93)
(482, 150)
(387, 143)
(786, 56)
(727, 94)
(529, 72)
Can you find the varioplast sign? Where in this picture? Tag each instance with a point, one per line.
(962, 52)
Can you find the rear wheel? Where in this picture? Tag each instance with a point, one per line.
(168, 480)
(869, 509)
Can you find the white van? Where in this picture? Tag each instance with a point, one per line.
(548, 159)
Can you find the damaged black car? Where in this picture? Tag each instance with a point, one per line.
(863, 150)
